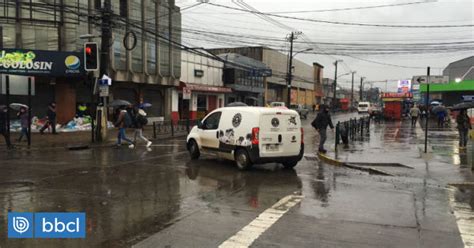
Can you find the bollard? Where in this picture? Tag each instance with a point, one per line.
(172, 129)
(337, 132)
(187, 125)
(154, 130)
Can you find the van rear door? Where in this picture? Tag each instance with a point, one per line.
(280, 134)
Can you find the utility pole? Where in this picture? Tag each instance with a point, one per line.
(290, 65)
(361, 89)
(352, 90)
(106, 37)
(106, 28)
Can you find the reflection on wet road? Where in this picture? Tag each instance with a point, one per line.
(161, 198)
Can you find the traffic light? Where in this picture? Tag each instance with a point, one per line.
(91, 56)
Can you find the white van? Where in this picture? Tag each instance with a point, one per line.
(249, 135)
(363, 107)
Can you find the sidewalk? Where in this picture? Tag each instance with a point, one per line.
(79, 138)
(441, 180)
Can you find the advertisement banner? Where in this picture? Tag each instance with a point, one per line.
(41, 63)
(404, 86)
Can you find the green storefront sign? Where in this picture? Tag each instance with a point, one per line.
(466, 85)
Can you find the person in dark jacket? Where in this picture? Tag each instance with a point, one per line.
(23, 115)
(51, 122)
(3, 125)
(464, 124)
(321, 123)
(123, 121)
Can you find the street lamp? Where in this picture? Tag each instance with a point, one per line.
(335, 85)
(290, 67)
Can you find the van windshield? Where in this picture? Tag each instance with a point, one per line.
(363, 105)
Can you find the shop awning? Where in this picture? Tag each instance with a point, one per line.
(204, 88)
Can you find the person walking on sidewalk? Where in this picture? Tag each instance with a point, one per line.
(441, 116)
(23, 115)
(321, 123)
(3, 126)
(464, 124)
(124, 120)
(51, 121)
(414, 113)
(140, 122)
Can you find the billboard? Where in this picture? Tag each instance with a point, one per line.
(404, 86)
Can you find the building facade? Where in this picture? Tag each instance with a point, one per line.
(201, 89)
(144, 63)
(304, 82)
(246, 77)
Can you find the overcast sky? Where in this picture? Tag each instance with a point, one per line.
(418, 12)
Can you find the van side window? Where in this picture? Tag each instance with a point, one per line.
(212, 122)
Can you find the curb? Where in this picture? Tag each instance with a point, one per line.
(468, 184)
(336, 162)
(330, 160)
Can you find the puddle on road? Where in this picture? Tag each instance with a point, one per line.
(15, 187)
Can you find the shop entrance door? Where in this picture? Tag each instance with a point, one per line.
(212, 103)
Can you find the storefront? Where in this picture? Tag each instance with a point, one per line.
(55, 77)
(194, 101)
(451, 93)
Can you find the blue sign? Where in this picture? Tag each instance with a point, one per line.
(20, 225)
(46, 225)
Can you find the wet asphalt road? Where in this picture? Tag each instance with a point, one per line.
(160, 198)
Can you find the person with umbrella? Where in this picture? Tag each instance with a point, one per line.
(3, 125)
(23, 115)
(464, 124)
(124, 120)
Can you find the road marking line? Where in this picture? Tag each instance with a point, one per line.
(247, 235)
(464, 220)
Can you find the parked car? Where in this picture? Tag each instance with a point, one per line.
(249, 135)
(375, 110)
(277, 104)
(363, 107)
(302, 111)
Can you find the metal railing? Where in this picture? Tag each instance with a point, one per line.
(351, 130)
(173, 128)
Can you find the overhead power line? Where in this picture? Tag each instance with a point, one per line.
(346, 9)
(343, 23)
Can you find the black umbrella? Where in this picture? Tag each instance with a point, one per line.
(237, 104)
(463, 105)
(118, 103)
(439, 108)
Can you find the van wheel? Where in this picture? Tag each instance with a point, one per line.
(242, 159)
(193, 149)
(290, 164)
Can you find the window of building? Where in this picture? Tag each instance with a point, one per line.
(137, 52)
(150, 22)
(202, 103)
(119, 52)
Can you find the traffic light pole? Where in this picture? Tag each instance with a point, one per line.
(361, 89)
(104, 66)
